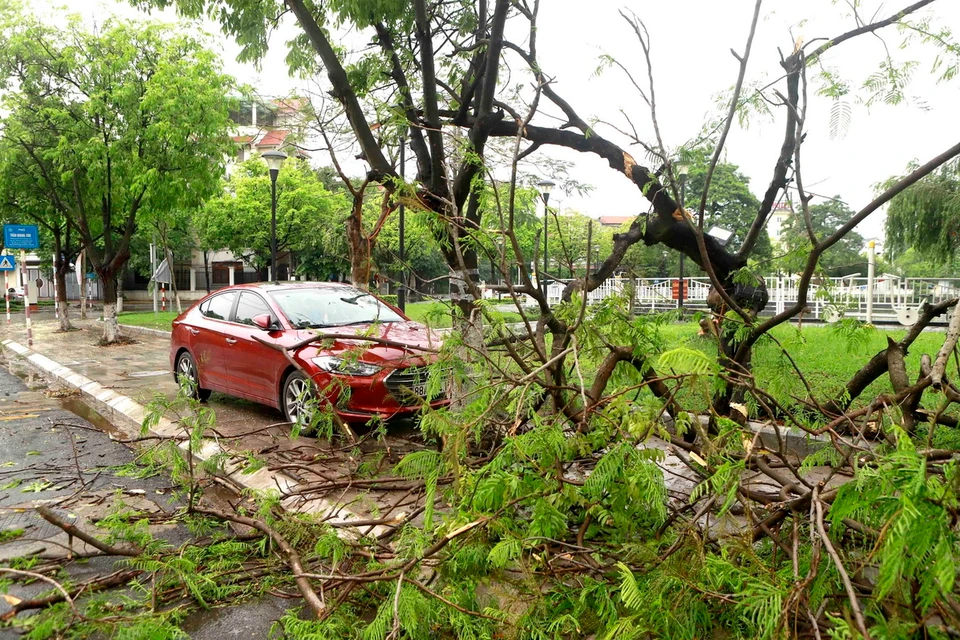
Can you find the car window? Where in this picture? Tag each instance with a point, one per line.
(332, 307)
(250, 305)
(218, 307)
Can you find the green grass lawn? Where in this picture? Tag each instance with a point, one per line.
(148, 319)
(827, 357)
(437, 314)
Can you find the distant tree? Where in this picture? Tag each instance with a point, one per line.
(567, 241)
(926, 217)
(423, 259)
(21, 202)
(843, 258)
(914, 263)
(730, 204)
(308, 215)
(127, 121)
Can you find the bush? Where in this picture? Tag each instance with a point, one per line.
(390, 298)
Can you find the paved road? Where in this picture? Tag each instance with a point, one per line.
(142, 370)
(49, 455)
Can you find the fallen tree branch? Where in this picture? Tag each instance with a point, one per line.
(112, 580)
(878, 364)
(940, 363)
(832, 552)
(76, 532)
(293, 558)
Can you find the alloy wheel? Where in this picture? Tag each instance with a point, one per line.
(296, 399)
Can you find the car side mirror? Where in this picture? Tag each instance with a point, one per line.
(264, 321)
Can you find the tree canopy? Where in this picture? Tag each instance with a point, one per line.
(115, 125)
(309, 216)
(844, 258)
(926, 217)
(548, 462)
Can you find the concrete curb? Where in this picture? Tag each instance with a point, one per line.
(126, 412)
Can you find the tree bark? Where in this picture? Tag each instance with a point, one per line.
(897, 369)
(63, 311)
(940, 363)
(119, 280)
(111, 331)
(361, 247)
(60, 264)
(206, 270)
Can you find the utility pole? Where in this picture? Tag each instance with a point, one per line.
(402, 291)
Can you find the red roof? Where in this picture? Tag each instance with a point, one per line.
(290, 104)
(273, 138)
(243, 139)
(615, 221)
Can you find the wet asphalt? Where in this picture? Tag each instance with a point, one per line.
(51, 455)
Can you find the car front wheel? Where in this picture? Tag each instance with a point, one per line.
(188, 375)
(297, 401)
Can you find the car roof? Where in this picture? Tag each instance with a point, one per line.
(279, 286)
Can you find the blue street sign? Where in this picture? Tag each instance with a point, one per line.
(21, 236)
(8, 263)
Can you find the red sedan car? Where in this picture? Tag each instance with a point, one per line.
(248, 340)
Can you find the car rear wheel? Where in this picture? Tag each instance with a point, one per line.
(297, 401)
(187, 374)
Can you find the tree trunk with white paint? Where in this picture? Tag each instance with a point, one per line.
(119, 293)
(111, 330)
(60, 276)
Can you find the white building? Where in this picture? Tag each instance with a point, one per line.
(777, 221)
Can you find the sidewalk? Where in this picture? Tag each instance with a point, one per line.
(119, 381)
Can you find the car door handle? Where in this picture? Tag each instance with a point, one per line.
(231, 341)
(193, 331)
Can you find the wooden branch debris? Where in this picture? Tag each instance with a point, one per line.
(292, 557)
(72, 530)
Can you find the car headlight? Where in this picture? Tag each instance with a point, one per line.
(333, 364)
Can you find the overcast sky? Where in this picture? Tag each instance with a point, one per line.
(691, 42)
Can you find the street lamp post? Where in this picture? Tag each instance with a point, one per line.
(682, 169)
(274, 160)
(545, 186)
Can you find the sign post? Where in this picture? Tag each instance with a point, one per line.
(26, 296)
(7, 264)
(23, 237)
(161, 277)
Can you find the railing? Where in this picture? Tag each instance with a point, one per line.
(895, 299)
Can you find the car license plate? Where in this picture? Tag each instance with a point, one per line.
(419, 390)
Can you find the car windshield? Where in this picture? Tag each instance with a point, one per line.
(332, 307)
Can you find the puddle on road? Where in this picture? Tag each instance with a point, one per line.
(255, 617)
(148, 374)
(79, 408)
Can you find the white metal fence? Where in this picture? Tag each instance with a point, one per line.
(895, 299)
